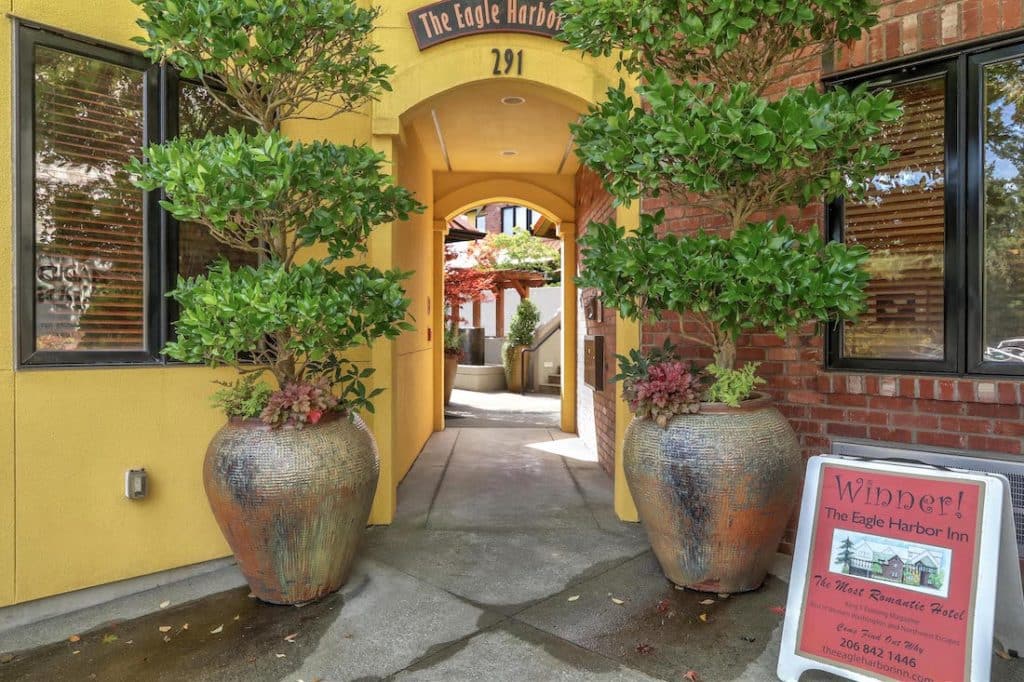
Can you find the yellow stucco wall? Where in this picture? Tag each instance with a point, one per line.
(7, 469)
(67, 436)
(414, 371)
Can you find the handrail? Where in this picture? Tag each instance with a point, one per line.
(533, 349)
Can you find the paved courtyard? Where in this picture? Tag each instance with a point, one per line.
(478, 409)
(506, 562)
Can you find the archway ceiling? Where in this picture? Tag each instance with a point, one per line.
(476, 127)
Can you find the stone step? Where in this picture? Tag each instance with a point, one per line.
(551, 389)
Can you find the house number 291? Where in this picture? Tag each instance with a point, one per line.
(505, 61)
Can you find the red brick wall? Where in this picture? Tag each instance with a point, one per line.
(594, 204)
(983, 415)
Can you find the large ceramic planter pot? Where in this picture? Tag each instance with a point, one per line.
(451, 368)
(516, 369)
(715, 491)
(291, 503)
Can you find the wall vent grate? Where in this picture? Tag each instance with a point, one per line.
(1014, 471)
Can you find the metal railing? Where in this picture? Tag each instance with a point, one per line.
(533, 349)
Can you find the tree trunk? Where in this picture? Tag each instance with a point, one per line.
(725, 354)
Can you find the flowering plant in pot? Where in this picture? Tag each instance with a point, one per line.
(714, 121)
(292, 474)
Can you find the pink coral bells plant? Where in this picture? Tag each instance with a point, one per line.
(658, 385)
(667, 390)
(298, 404)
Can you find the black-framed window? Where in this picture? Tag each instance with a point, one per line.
(517, 216)
(944, 223)
(95, 254)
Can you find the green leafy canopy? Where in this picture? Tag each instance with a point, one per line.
(268, 62)
(263, 192)
(277, 59)
(714, 121)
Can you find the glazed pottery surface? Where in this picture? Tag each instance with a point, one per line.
(715, 491)
(292, 503)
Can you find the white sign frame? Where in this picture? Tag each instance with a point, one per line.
(995, 501)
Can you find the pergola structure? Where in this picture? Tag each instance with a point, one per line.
(520, 280)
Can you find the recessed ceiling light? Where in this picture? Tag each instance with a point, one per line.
(509, 152)
(513, 100)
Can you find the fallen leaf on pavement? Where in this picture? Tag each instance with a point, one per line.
(109, 639)
(643, 648)
(165, 604)
(130, 641)
(291, 638)
(74, 638)
(662, 606)
(76, 651)
(617, 601)
(703, 617)
(707, 601)
(573, 597)
(236, 617)
(280, 655)
(217, 630)
(164, 628)
(777, 610)
(723, 596)
(692, 676)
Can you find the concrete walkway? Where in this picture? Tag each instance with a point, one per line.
(506, 562)
(501, 409)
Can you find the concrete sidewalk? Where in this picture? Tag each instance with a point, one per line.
(506, 562)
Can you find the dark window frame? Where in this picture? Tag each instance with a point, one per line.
(974, 210)
(964, 174)
(161, 107)
(27, 38)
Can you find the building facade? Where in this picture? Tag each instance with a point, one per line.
(84, 262)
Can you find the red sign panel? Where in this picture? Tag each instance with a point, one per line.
(891, 580)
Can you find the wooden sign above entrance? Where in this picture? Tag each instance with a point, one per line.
(448, 19)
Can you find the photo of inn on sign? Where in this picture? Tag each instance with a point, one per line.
(908, 565)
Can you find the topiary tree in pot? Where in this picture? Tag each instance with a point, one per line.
(520, 335)
(289, 478)
(715, 122)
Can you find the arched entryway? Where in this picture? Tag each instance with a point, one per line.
(459, 136)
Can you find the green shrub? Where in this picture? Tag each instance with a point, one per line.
(244, 398)
(453, 341)
(520, 330)
(713, 116)
(732, 386)
(269, 62)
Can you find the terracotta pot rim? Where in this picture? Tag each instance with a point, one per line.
(257, 424)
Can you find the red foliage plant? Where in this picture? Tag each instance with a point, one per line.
(668, 389)
(464, 285)
(298, 404)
